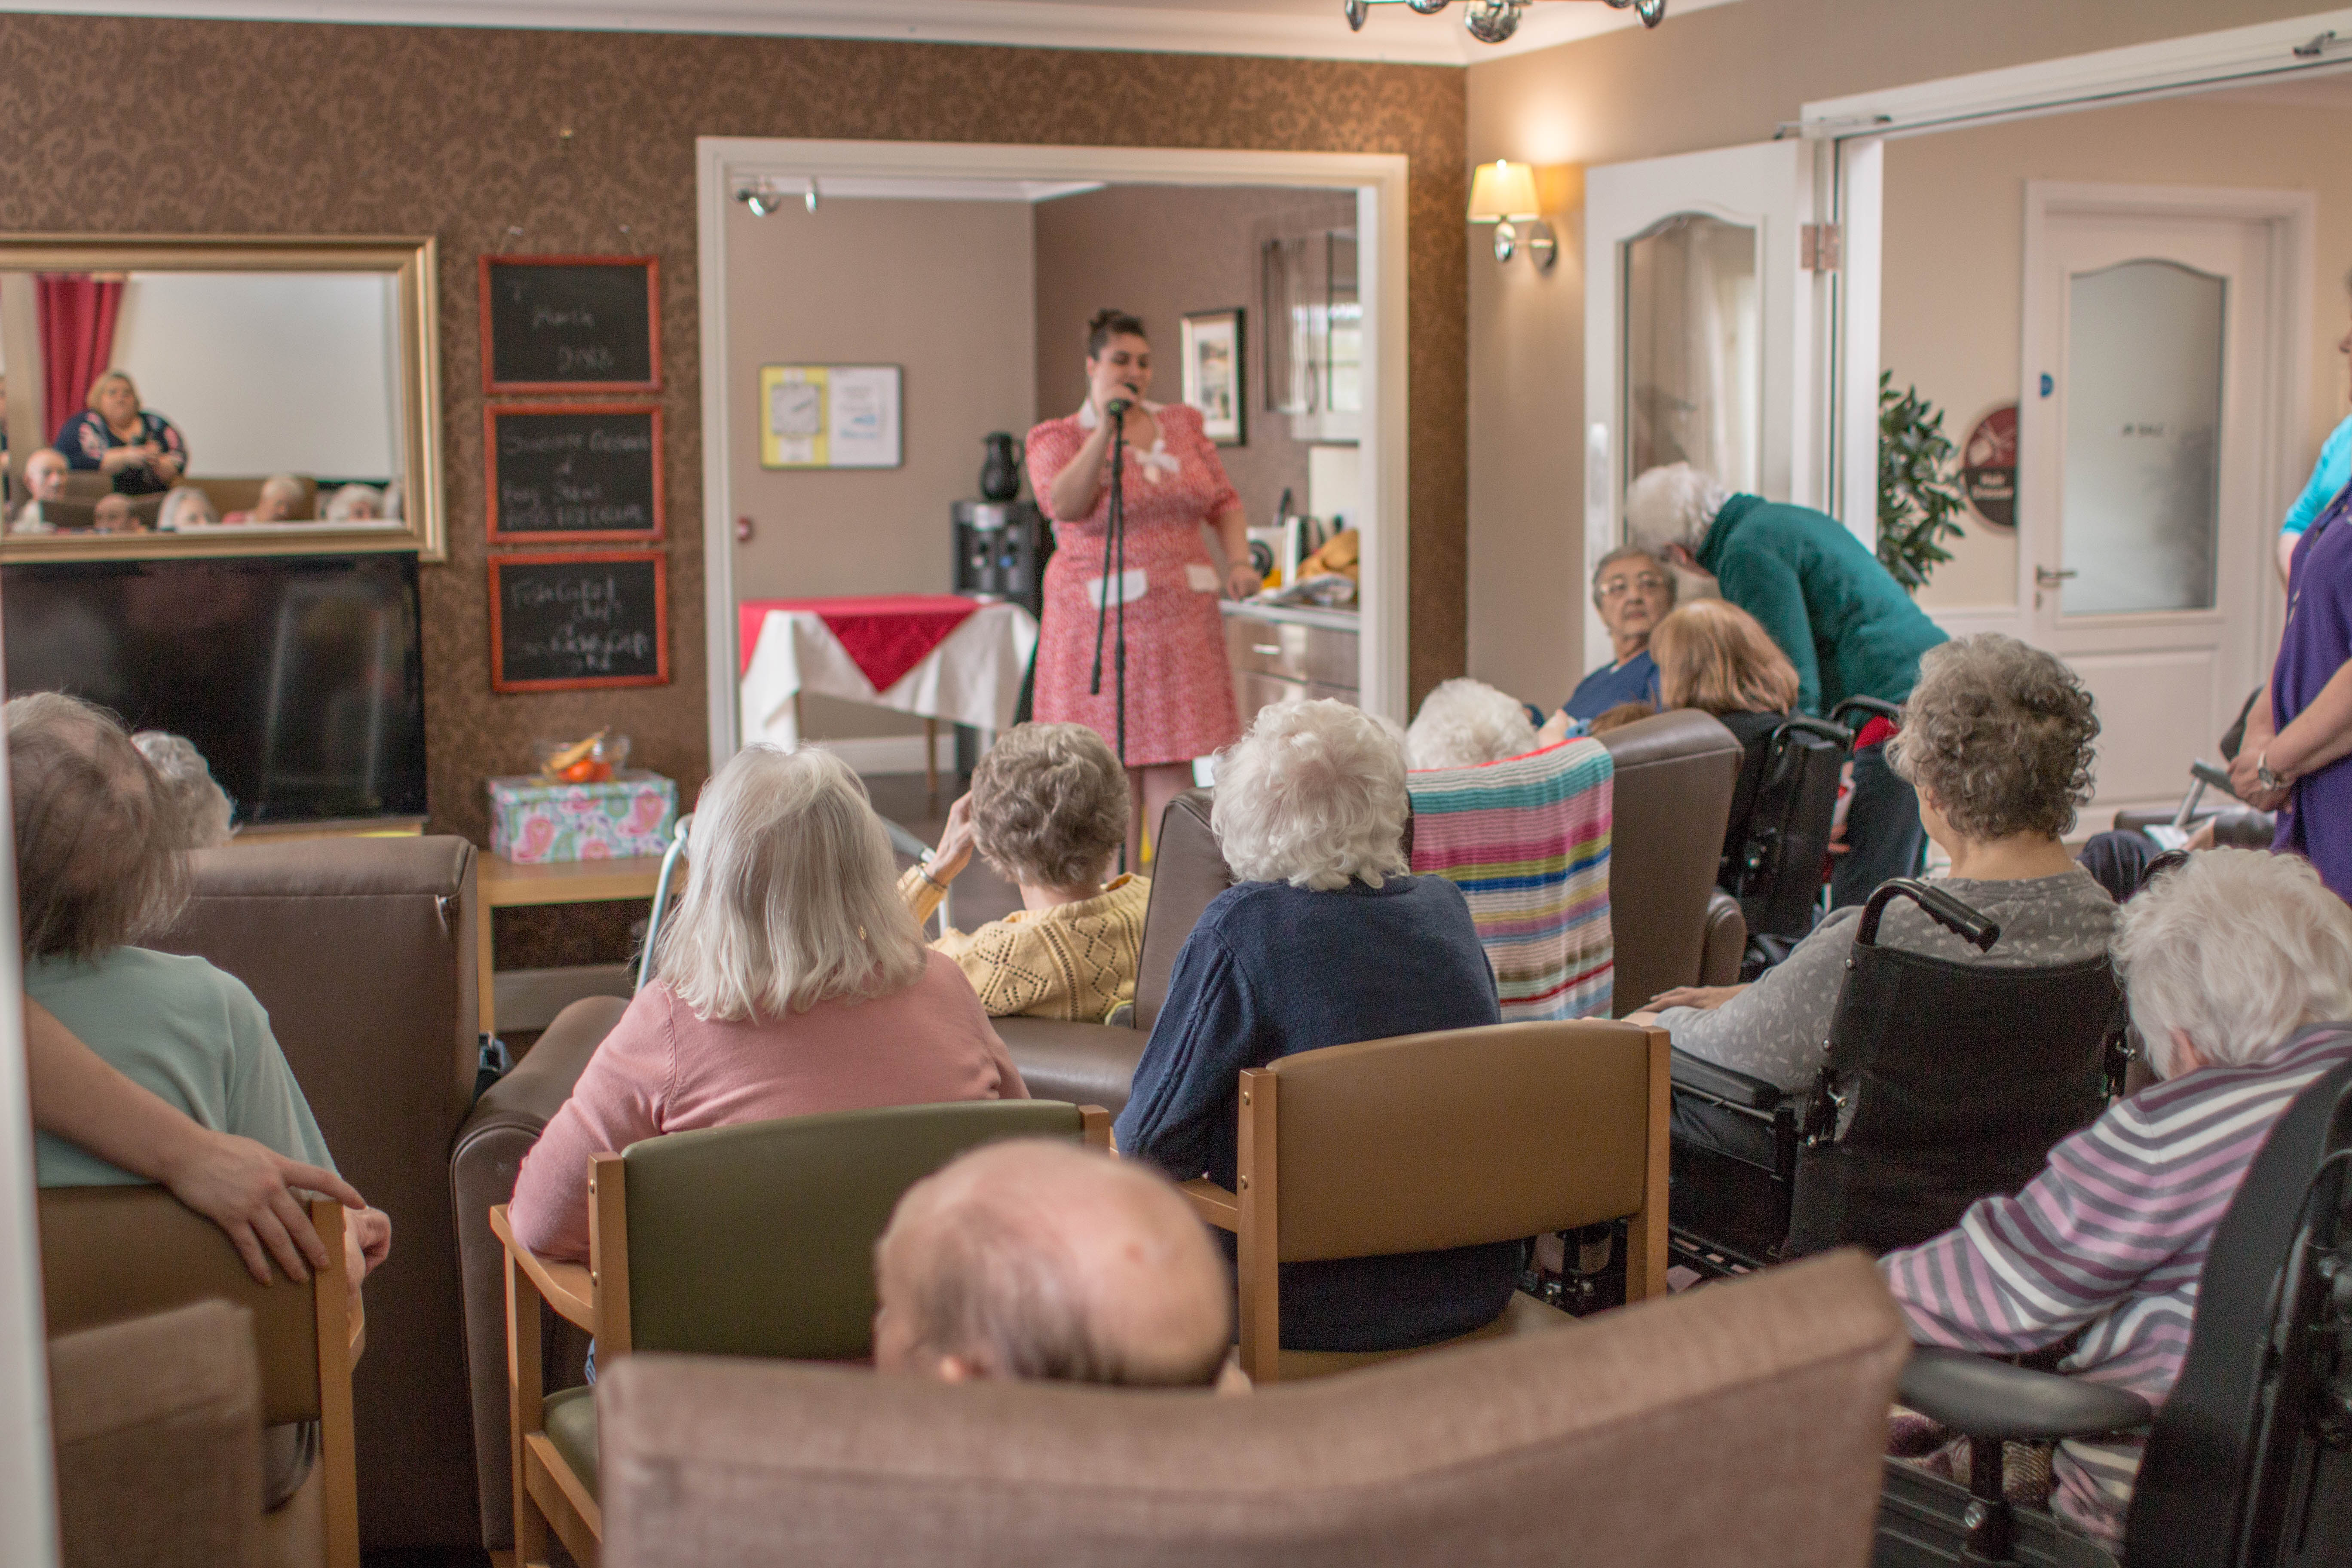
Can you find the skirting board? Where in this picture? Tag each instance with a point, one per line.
(890, 753)
(529, 999)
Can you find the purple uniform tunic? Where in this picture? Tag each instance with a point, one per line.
(2317, 820)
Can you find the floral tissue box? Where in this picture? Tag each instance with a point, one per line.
(533, 820)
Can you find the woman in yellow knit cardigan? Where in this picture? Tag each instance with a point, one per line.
(1048, 809)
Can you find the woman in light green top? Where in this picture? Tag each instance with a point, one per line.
(101, 861)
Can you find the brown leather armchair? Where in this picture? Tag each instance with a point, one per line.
(1671, 926)
(362, 951)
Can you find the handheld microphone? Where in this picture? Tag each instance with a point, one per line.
(1117, 407)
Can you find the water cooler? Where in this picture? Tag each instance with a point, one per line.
(1000, 550)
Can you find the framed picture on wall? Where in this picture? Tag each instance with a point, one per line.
(1213, 374)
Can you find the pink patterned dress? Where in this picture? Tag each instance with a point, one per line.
(1180, 688)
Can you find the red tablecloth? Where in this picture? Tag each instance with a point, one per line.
(885, 634)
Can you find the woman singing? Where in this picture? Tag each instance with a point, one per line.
(1179, 690)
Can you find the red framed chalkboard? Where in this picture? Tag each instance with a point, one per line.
(571, 323)
(577, 620)
(572, 473)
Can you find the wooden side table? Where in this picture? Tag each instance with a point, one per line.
(499, 883)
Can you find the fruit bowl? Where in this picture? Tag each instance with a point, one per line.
(590, 761)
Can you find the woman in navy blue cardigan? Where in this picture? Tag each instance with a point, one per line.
(1324, 940)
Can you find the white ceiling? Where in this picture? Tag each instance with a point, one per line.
(1312, 29)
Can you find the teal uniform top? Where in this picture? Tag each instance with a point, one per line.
(187, 1031)
(1845, 624)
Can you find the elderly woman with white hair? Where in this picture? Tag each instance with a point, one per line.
(790, 980)
(1465, 722)
(2238, 966)
(1842, 620)
(1325, 940)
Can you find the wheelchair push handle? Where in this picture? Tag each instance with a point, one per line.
(1945, 910)
(1876, 707)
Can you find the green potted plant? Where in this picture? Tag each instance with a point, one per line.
(1917, 498)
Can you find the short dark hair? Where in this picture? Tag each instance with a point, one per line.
(102, 846)
(1111, 323)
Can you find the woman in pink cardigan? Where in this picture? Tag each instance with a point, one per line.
(790, 980)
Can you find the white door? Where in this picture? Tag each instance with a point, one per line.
(1698, 332)
(2148, 345)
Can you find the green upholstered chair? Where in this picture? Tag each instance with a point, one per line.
(752, 1240)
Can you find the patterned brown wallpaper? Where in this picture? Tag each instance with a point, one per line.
(551, 141)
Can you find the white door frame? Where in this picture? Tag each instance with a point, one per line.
(1379, 180)
(1850, 134)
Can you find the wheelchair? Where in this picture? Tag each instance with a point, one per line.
(2249, 1463)
(1772, 856)
(1943, 1082)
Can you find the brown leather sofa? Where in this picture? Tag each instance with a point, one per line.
(362, 950)
(1741, 1425)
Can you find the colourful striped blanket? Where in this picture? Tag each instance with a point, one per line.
(1527, 840)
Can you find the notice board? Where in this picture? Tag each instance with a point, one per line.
(573, 472)
(577, 620)
(571, 323)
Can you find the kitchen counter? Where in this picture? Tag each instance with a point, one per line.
(1293, 615)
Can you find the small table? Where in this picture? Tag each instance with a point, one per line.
(937, 655)
(500, 884)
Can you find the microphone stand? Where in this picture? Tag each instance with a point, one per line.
(1114, 549)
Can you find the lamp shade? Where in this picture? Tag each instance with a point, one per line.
(1503, 191)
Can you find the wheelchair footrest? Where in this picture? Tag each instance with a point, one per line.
(1920, 1525)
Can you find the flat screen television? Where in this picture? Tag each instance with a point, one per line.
(300, 678)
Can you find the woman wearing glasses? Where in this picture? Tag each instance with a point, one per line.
(1632, 590)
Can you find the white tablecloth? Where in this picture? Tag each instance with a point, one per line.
(974, 677)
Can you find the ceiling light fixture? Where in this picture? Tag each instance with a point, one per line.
(1493, 21)
(763, 197)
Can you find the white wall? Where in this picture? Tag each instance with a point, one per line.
(265, 372)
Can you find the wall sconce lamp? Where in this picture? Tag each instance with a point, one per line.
(1504, 194)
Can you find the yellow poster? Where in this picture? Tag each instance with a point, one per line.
(793, 433)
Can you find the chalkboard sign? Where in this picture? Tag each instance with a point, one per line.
(573, 471)
(571, 323)
(572, 621)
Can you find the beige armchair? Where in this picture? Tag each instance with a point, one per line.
(1739, 1425)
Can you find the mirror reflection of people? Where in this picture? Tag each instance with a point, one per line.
(281, 497)
(115, 514)
(1180, 688)
(1842, 619)
(144, 451)
(45, 480)
(1632, 589)
(356, 504)
(186, 506)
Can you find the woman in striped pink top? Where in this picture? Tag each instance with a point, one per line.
(2239, 970)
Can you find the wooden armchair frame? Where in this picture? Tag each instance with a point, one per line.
(1251, 1212)
(87, 1233)
(549, 1496)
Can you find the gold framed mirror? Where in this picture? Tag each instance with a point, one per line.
(219, 396)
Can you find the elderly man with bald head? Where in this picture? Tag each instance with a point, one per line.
(1035, 1260)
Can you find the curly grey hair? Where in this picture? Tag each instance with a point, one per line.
(1049, 806)
(188, 779)
(1313, 795)
(2001, 736)
(101, 843)
(1465, 722)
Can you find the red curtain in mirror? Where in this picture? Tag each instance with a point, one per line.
(77, 311)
